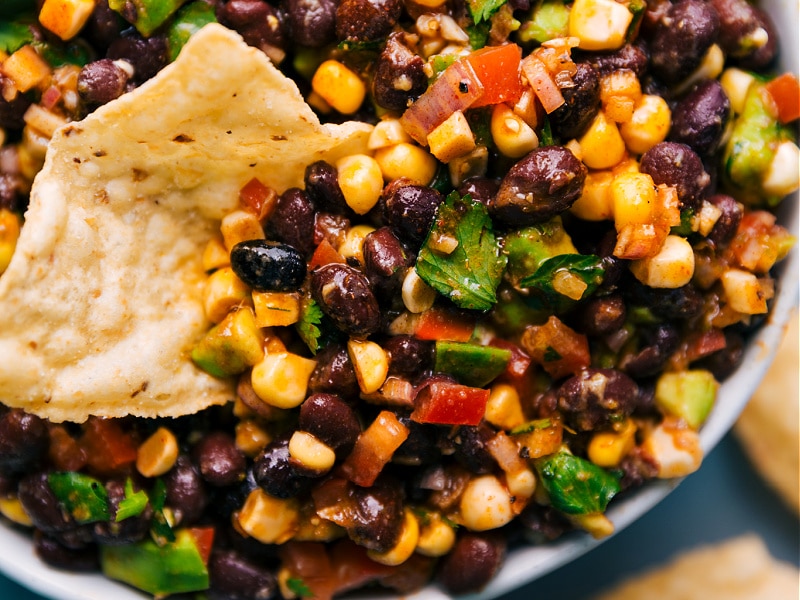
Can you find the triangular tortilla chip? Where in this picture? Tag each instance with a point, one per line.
(102, 301)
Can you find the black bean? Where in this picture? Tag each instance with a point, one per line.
(24, 441)
(331, 420)
(472, 562)
(728, 222)
(186, 491)
(41, 504)
(581, 104)
(311, 24)
(472, 448)
(259, 23)
(103, 26)
(637, 467)
(12, 111)
(221, 462)
(399, 75)
(101, 81)
(679, 166)
(127, 531)
(602, 315)
(723, 363)
(343, 293)
(597, 398)
(292, 221)
(681, 303)
(656, 346)
(629, 57)
(700, 118)
(480, 189)
(543, 523)
(277, 474)
(233, 577)
(384, 255)
(747, 35)
(13, 189)
(543, 184)
(420, 447)
(55, 554)
(366, 20)
(147, 55)
(225, 501)
(681, 39)
(409, 210)
(377, 518)
(334, 373)
(268, 266)
(408, 356)
(322, 186)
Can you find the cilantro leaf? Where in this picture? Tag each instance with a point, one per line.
(160, 528)
(14, 35)
(470, 274)
(588, 268)
(299, 587)
(133, 504)
(308, 325)
(482, 10)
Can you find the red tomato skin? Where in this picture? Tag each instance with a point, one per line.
(498, 69)
(448, 403)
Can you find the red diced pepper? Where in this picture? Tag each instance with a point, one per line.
(497, 67)
(204, 540)
(258, 198)
(325, 254)
(109, 449)
(310, 567)
(448, 403)
(785, 92)
(441, 324)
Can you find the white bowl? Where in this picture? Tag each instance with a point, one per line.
(527, 563)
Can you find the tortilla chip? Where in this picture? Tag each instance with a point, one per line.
(738, 568)
(102, 301)
(769, 426)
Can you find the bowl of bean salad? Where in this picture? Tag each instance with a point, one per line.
(507, 326)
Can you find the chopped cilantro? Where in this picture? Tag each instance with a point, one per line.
(14, 35)
(133, 504)
(308, 325)
(587, 267)
(299, 587)
(160, 528)
(546, 137)
(470, 274)
(478, 34)
(482, 10)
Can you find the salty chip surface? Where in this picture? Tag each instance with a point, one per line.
(102, 300)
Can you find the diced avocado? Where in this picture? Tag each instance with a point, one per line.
(189, 19)
(471, 364)
(82, 496)
(548, 20)
(146, 15)
(528, 248)
(230, 346)
(174, 568)
(575, 485)
(689, 395)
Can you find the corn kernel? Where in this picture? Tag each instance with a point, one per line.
(504, 409)
(743, 292)
(710, 68)
(361, 181)
(417, 295)
(26, 68)
(157, 454)
(672, 267)
(407, 160)
(276, 309)
(311, 452)
(735, 83)
(620, 91)
(340, 87)
(783, 174)
(602, 146)
(9, 234)
(472, 164)
(224, 291)
(251, 439)
(42, 120)
(387, 132)
(405, 546)
(595, 203)
(370, 363)
(648, 126)
(633, 197)
(451, 139)
(436, 537)
(65, 18)
(281, 379)
(485, 504)
(596, 524)
(527, 108)
(240, 226)
(12, 509)
(608, 448)
(511, 134)
(353, 244)
(676, 448)
(599, 24)
(215, 254)
(269, 520)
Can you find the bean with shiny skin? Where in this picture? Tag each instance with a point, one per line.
(472, 450)
(268, 266)
(472, 562)
(408, 355)
(581, 104)
(331, 420)
(700, 118)
(747, 34)
(322, 186)
(234, 577)
(259, 23)
(602, 315)
(24, 441)
(597, 398)
(311, 23)
(366, 20)
(186, 491)
(276, 472)
(101, 81)
(41, 504)
(334, 373)
(728, 222)
(377, 515)
(147, 55)
(409, 210)
(657, 344)
(221, 462)
(480, 189)
(292, 221)
(55, 554)
(679, 166)
(343, 293)
(630, 56)
(399, 75)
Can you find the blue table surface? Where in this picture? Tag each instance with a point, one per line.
(724, 499)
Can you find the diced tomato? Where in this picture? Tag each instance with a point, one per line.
(447, 403)
(65, 452)
(204, 540)
(258, 198)
(785, 92)
(560, 350)
(325, 254)
(310, 566)
(374, 448)
(442, 324)
(109, 449)
(498, 69)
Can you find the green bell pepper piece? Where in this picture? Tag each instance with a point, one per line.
(84, 497)
(472, 364)
(575, 485)
(146, 15)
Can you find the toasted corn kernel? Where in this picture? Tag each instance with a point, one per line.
(240, 226)
(215, 254)
(370, 363)
(353, 244)
(340, 87)
(157, 454)
(12, 509)
(451, 139)
(281, 379)
(361, 181)
(672, 267)
(269, 520)
(387, 133)
(417, 295)
(275, 309)
(311, 452)
(224, 291)
(436, 537)
(407, 160)
(608, 448)
(504, 409)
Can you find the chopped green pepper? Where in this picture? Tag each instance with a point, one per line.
(575, 485)
(471, 364)
(189, 19)
(83, 497)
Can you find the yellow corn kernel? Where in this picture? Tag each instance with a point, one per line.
(26, 68)
(417, 295)
(387, 132)
(472, 164)
(405, 546)
(521, 485)
(215, 254)
(240, 226)
(157, 454)
(407, 160)
(595, 203)
(783, 174)
(599, 24)
(353, 244)
(340, 87)
(735, 84)
(9, 234)
(311, 452)
(224, 290)
(12, 509)
(744, 292)
(269, 520)
(633, 198)
(676, 448)
(705, 219)
(648, 126)
(710, 68)
(451, 139)
(65, 18)
(42, 120)
(361, 181)
(672, 267)
(275, 309)
(620, 91)
(370, 363)
(281, 379)
(251, 438)
(485, 504)
(596, 524)
(602, 146)
(436, 537)
(527, 109)
(608, 448)
(511, 134)
(504, 409)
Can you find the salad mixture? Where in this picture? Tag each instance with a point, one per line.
(492, 283)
